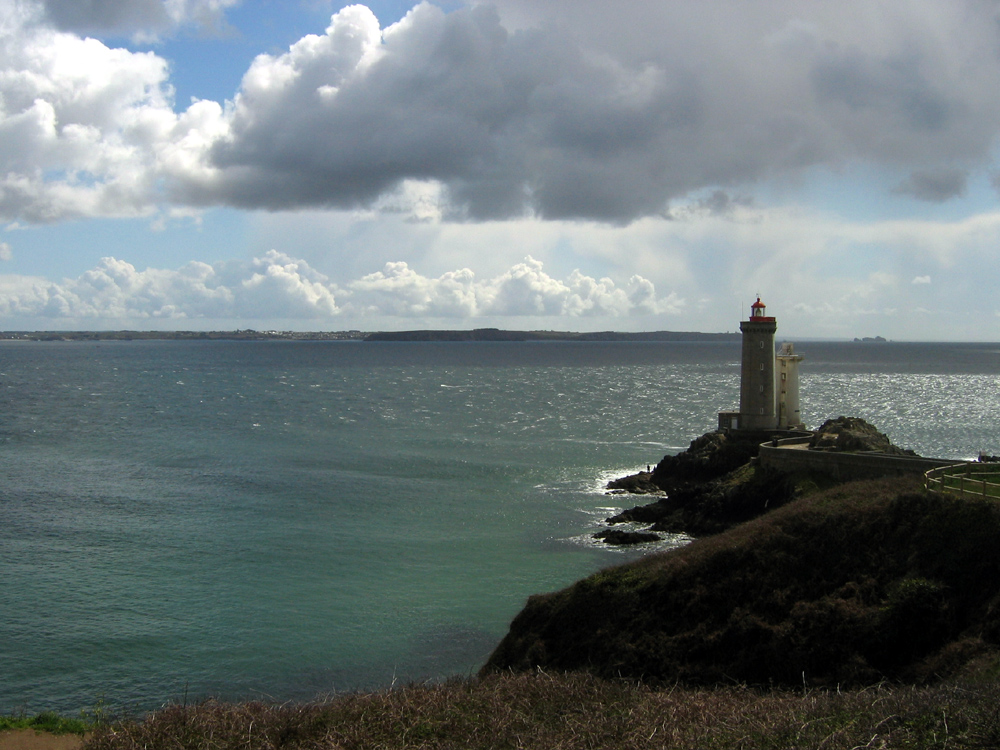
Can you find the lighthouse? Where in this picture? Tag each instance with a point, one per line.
(757, 370)
(769, 382)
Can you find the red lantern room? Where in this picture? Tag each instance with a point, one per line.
(758, 311)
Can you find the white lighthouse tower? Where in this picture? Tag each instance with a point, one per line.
(787, 387)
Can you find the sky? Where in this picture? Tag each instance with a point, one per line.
(522, 164)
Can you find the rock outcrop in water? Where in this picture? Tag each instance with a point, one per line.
(715, 505)
(617, 537)
(706, 488)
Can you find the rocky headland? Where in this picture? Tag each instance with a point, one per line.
(795, 579)
(715, 483)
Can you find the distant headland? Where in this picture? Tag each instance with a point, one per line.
(478, 334)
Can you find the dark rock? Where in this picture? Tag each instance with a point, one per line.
(637, 484)
(701, 508)
(645, 513)
(715, 506)
(855, 435)
(708, 457)
(715, 484)
(620, 538)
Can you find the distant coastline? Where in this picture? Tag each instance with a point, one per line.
(238, 335)
(479, 334)
(496, 334)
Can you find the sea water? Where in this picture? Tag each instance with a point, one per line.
(280, 520)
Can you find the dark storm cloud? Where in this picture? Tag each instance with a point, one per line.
(127, 17)
(721, 203)
(509, 122)
(90, 16)
(936, 186)
(552, 118)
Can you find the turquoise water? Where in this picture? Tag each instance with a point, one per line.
(282, 519)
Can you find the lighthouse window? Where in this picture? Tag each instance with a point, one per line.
(762, 389)
(761, 344)
(762, 366)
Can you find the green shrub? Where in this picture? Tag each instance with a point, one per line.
(47, 721)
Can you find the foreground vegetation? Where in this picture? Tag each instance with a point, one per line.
(49, 722)
(580, 711)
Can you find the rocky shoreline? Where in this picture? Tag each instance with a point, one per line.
(715, 483)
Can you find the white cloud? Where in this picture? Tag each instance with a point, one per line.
(279, 287)
(283, 287)
(921, 280)
(524, 290)
(398, 290)
(5, 252)
(80, 125)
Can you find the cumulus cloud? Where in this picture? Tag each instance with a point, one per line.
(527, 290)
(279, 287)
(80, 124)
(116, 290)
(559, 110)
(524, 290)
(5, 251)
(921, 280)
(398, 290)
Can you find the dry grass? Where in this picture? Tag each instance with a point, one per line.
(579, 711)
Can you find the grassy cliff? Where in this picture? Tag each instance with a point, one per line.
(860, 582)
